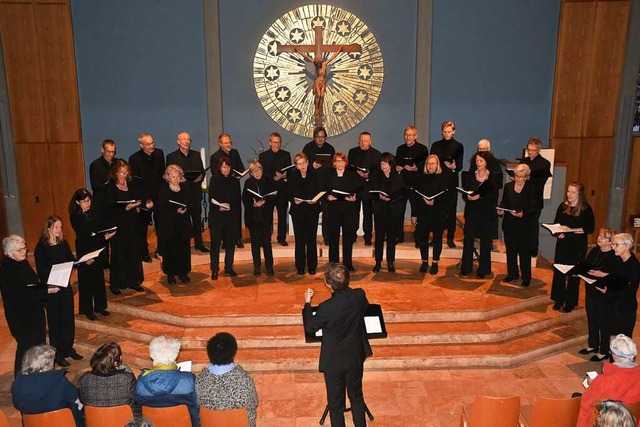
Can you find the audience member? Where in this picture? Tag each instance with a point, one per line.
(223, 384)
(164, 385)
(612, 413)
(619, 380)
(110, 383)
(39, 388)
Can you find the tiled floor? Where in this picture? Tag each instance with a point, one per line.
(404, 398)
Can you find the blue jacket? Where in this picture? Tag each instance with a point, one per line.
(161, 388)
(44, 392)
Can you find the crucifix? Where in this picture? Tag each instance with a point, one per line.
(320, 64)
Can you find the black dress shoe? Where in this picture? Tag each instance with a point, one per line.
(76, 356)
(525, 283)
(115, 291)
(203, 249)
(599, 357)
(214, 275)
(463, 273)
(230, 273)
(434, 268)
(509, 279)
(480, 276)
(376, 268)
(557, 306)
(587, 350)
(171, 280)
(270, 271)
(424, 267)
(301, 272)
(283, 243)
(567, 309)
(367, 242)
(256, 271)
(104, 312)
(451, 244)
(184, 278)
(350, 268)
(91, 316)
(146, 258)
(137, 288)
(61, 362)
(239, 244)
(391, 268)
(312, 272)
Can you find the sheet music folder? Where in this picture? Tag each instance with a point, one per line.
(374, 313)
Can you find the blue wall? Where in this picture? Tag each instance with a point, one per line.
(140, 69)
(244, 22)
(492, 71)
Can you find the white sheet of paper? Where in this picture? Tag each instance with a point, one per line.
(185, 366)
(563, 268)
(589, 280)
(372, 324)
(90, 255)
(60, 274)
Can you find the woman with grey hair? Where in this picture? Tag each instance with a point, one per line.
(39, 388)
(258, 217)
(621, 284)
(174, 225)
(619, 380)
(165, 385)
(23, 302)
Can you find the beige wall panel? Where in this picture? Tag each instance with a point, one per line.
(595, 175)
(568, 151)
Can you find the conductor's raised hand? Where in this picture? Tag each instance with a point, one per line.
(308, 295)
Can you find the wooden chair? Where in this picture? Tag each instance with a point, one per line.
(59, 417)
(490, 411)
(223, 418)
(548, 411)
(4, 421)
(107, 416)
(169, 416)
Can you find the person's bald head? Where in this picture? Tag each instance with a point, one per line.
(484, 145)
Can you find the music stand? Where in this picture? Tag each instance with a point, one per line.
(374, 323)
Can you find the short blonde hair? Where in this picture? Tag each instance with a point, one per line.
(173, 169)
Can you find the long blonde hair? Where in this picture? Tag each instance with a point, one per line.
(48, 224)
(582, 202)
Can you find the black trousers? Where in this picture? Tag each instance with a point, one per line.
(450, 199)
(305, 229)
(623, 322)
(565, 289)
(223, 231)
(144, 219)
(472, 229)
(126, 265)
(387, 226)
(336, 383)
(176, 256)
(282, 206)
(535, 232)
(261, 238)
(28, 336)
(518, 243)
(599, 324)
(195, 212)
(62, 327)
(367, 218)
(342, 215)
(421, 235)
(91, 291)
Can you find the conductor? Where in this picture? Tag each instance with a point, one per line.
(344, 343)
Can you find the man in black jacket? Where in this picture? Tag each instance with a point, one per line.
(147, 165)
(365, 159)
(273, 161)
(344, 343)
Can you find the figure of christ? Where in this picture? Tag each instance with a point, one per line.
(320, 83)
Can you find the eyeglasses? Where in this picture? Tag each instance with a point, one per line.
(24, 248)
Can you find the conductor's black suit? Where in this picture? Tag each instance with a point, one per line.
(343, 351)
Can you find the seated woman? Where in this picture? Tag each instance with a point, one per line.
(223, 384)
(612, 413)
(258, 217)
(110, 383)
(388, 209)
(88, 224)
(519, 198)
(619, 380)
(428, 215)
(52, 248)
(38, 388)
(174, 225)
